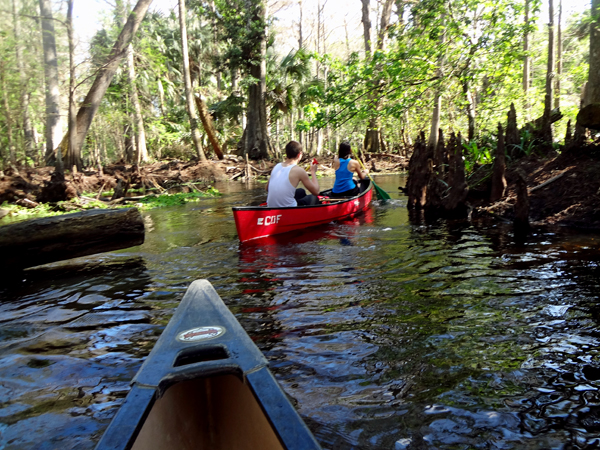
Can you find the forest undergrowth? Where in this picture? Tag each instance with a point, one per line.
(570, 197)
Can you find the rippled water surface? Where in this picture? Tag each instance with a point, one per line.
(386, 333)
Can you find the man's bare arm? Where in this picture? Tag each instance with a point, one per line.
(311, 184)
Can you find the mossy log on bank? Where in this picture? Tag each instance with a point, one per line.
(41, 241)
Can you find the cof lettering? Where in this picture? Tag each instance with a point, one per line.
(269, 220)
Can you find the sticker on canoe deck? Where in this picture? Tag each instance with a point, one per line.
(200, 334)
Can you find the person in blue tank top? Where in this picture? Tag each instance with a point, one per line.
(345, 168)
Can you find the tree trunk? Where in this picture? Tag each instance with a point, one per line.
(41, 241)
(454, 203)
(373, 138)
(73, 156)
(593, 84)
(141, 150)
(526, 59)
(470, 108)
(86, 113)
(546, 124)
(499, 170)
(207, 123)
(28, 132)
(53, 122)
(189, 95)
(140, 133)
(437, 102)
(7, 114)
(366, 21)
(558, 58)
(257, 144)
(300, 38)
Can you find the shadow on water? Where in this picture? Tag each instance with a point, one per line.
(385, 333)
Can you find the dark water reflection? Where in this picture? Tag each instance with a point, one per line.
(385, 334)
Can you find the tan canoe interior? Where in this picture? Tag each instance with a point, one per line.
(207, 413)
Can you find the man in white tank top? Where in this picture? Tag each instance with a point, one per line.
(285, 177)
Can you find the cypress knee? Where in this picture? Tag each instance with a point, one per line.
(498, 175)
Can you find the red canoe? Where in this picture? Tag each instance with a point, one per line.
(253, 222)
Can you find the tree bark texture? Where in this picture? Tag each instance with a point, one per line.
(437, 101)
(454, 203)
(41, 241)
(53, 122)
(593, 84)
(140, 132)
(373, 141)
(366, 21)
(499, 170)
(526, 60)
(470, 109)
(440, 156)
(437, 187)
(207, 123)
(512, 138)
(418, 174)
(589, 116)
(189, 95)
(558, 57)
(300, 39)
(546, 124)
(73, 157)
(86, 113)
(256, 142)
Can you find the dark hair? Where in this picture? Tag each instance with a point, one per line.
(344, 150)
(293, 149)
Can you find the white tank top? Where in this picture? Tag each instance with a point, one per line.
(281, 192)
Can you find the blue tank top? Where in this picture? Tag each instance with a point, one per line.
(343, 177)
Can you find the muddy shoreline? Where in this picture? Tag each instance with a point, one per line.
(564, 189)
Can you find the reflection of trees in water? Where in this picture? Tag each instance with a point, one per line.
(549, 299)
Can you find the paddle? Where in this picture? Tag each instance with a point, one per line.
(381, 194)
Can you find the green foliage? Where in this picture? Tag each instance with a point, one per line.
(180, 198)
(17, 213)
(476, 155)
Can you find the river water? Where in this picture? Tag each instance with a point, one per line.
(385, 333)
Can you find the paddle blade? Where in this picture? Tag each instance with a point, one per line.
(380, 193)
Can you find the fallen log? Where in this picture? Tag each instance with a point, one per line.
(41, 241)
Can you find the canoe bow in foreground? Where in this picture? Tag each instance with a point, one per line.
(253, 222)
(205, 385)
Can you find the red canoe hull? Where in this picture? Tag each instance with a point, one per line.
(253, 222)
